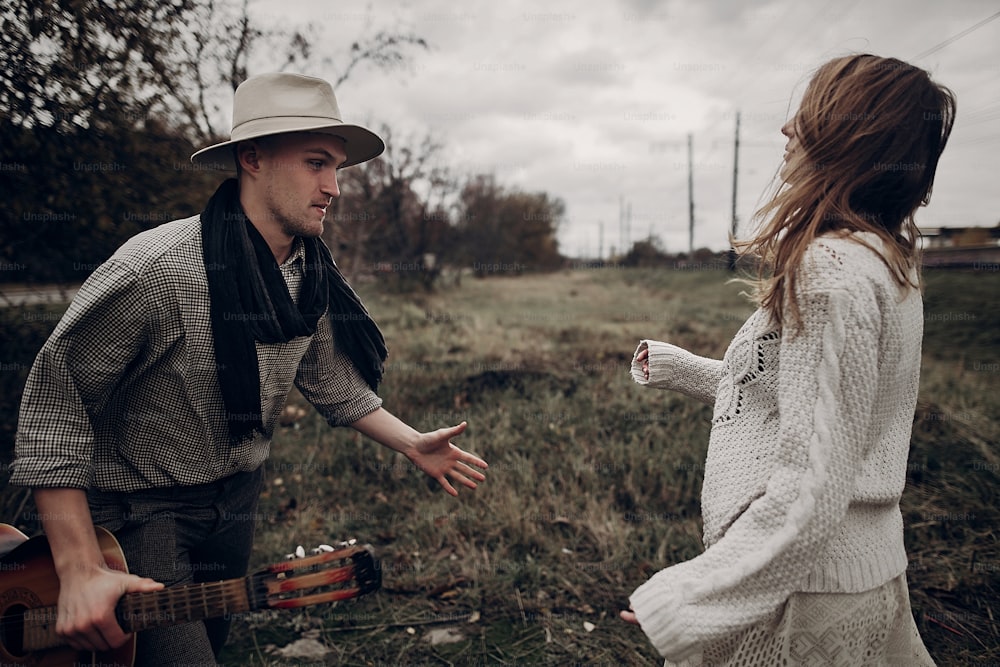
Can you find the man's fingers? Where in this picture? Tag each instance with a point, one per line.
(112, 633)
(452, 431)
(475, 460)
(465, 481)
(468, 470)
(469, 459)
(88, 622)
(94, 635)
(142, 585)
(443, 481)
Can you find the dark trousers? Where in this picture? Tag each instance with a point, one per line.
(183, 535)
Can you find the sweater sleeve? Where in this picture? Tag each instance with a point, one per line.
(672, 367)
(826, 382)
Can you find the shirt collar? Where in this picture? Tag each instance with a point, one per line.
(298, 252)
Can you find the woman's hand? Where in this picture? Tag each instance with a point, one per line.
(628, 616)
(643, 358)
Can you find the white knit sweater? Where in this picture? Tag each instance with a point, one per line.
(807, 456)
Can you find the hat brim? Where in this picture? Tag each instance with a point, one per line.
(360, 144)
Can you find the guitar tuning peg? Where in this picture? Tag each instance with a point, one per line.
(300, 552)
(323, 548)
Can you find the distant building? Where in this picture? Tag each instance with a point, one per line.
(961, 247)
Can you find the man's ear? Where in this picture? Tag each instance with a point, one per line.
(248, 156)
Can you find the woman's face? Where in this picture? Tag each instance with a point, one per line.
(793, 150)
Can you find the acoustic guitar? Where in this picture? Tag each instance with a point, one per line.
(29, 592)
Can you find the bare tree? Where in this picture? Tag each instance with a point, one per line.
(98, 99)
(218, 54)
(393, 218)
(71, 65)
(76, 64)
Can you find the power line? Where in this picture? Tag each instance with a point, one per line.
(779, 38)
(938, 47)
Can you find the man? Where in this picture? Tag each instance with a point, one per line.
(150, 409)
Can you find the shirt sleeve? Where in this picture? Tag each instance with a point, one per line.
(826, 383)
(328, 379)
(672, 367)
(73, 376)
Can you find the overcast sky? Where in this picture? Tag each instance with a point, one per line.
(593, 104)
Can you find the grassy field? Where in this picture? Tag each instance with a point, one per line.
(594, 481)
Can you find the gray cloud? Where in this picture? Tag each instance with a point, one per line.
(594, 103)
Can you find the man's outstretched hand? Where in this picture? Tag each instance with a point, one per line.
(431, 452)
(435, 454)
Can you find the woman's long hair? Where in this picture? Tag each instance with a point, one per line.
(870, 131)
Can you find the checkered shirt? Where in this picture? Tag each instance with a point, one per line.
(125, 396)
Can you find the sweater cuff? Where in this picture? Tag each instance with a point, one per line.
(673, 367)
(660, 617)
(661, 359)
(637, 373)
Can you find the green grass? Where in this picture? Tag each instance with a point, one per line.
(594, 481)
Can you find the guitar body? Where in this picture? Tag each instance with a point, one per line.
(28, 580)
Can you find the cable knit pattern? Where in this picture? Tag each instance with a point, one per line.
(807, 456)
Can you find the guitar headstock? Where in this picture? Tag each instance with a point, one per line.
(332, 573)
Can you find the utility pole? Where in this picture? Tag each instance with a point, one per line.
(621, 224)
(628, 226)
(600, 241)
(736, 169)
(690, 199)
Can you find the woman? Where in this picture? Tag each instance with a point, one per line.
(814, 399)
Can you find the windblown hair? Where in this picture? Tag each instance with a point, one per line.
(871, 131)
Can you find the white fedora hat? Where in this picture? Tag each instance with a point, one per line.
(280, 102)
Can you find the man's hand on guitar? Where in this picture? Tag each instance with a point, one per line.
(87, 602)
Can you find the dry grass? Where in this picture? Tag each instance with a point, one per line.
(594, 482)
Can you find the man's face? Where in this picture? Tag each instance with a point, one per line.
(298, 177)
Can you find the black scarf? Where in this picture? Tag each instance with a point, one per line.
(250, 302)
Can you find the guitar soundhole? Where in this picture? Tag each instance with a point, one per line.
(12, 630)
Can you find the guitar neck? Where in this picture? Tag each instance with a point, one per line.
(169, 606)
(184, 604)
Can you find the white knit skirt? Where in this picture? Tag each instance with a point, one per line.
(851, 629)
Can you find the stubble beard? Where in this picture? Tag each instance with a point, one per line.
(303, 228)
(290, 223)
